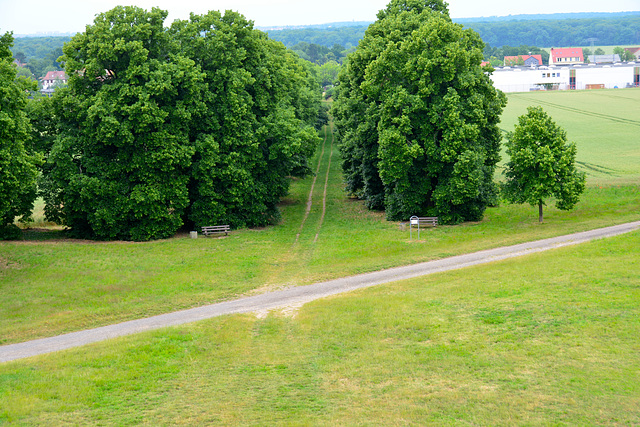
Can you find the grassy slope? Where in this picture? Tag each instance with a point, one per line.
(528, 341)
(535, 340)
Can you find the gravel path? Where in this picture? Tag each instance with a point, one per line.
(299, 295)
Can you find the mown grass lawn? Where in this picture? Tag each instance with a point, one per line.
(545, 339)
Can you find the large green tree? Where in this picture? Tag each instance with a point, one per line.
(542, 163)
(18, 165)
(261, 104)
(200, 123)
(121, 160)
(418, 116)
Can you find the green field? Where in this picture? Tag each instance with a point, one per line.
(603, 123)
(530, 341)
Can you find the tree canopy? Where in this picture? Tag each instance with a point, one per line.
(418, 116)
(18, 164)
(542, 163)
(200, 123)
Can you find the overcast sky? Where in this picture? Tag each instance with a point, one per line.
(33, 16)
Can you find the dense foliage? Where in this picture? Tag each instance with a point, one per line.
(18, 164)
(418, 116)
(200, 123)
(542, 163)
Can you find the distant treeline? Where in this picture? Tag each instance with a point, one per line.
(561, 33)
(320, 44)
(329, 37)
(618, 30)
(319, 54)
(548, 16)
(40, 54)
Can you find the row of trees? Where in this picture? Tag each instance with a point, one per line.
(203, 122)
(418, 122)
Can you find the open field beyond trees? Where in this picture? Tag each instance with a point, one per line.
(546, 338)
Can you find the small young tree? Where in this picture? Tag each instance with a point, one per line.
(624, 54)
(542, 163)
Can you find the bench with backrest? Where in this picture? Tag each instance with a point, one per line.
(216, 229)
(428, 220)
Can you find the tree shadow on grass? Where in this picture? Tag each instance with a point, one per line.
(44, 234)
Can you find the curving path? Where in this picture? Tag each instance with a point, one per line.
(300, 295)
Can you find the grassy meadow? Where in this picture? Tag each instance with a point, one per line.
(546, 339)
(603, 123)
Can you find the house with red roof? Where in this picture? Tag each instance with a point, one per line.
(566, 56)
(53, 77)
(524, 60)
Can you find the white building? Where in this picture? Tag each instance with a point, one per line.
(525, 79)
(53, 78)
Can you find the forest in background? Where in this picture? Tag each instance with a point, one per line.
(609, 29)
(320, 44)
(40, 54)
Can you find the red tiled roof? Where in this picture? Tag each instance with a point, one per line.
(55, 75)
(524, 58)
(570, 52)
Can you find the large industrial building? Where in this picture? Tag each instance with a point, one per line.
(567, 77)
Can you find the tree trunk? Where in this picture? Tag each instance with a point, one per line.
(540, 211)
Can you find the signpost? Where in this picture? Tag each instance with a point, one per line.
(414, 220)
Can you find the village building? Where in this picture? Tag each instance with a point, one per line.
(524, 60)
(603, 59)
(52, 79)
(566, 56)
(591, 76)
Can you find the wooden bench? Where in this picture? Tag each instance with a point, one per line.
(216, 229)
(427, 220)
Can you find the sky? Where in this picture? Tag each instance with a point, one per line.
(45, 16)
